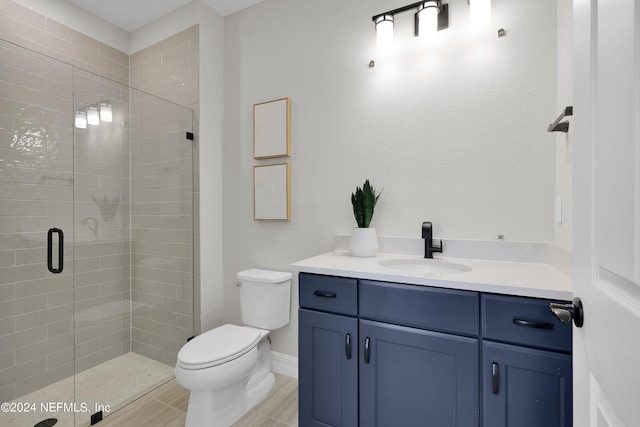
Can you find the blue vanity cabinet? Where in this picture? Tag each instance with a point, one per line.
(386, 354)
(328, 369)
(418, 355)
(377, 354)
(411, 377)
(328, 351)
(528, 373)
(526, 387)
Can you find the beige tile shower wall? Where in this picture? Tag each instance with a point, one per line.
(36, 141)
(102, 222)
(36, 32)
(36, 307)
(169, 69)
(163, 196)
(161, 236)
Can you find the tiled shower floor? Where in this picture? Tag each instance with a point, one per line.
(114, 383)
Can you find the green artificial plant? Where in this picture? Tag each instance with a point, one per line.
(364, 201)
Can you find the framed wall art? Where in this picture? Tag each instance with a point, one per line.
(272, 129)
(272, 192)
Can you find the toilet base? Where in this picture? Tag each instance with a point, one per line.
(260, 391)
(224, 412)
(223, 407)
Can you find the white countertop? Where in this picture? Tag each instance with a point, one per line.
(502, 277)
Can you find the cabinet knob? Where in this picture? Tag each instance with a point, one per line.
(566, 312)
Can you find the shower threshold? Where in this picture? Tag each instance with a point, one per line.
(108, 386)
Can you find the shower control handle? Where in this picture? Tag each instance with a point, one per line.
(50, 266)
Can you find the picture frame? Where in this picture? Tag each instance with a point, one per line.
(272, 129)
(272, 192)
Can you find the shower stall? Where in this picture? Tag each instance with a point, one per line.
(96, 240)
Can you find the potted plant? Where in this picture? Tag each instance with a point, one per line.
(364, 242)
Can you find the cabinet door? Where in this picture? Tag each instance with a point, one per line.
(413, 377)
(328, 369)
(524, 387)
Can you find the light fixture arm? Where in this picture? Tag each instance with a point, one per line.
(443, 16)
(400, 10)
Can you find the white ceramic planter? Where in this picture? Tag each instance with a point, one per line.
(364, 242)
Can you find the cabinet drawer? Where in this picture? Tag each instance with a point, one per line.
(328, 293)
(423, 307)
(526, 321)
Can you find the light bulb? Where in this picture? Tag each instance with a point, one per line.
(81, 120)
(428, 19)
(106, 112)
(479, 13)
(384, 33)
(93, 117)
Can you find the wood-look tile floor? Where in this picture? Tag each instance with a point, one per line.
(167, 406)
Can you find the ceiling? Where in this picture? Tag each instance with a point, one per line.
(130, 15)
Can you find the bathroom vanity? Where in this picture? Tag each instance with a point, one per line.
(386, 348)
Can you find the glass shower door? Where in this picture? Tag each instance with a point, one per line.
(96, 240)
(133, 229)
(36, 238)
(102, 233)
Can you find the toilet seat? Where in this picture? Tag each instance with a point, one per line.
(218, 346)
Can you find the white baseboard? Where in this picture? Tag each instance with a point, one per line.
(284, 364)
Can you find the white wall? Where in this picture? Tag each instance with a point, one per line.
(454, 132)
(211, 167)
(564, 145)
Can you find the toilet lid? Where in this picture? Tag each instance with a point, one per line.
(218, 346)
(264, 276)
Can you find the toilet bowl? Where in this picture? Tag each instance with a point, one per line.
(228, 369)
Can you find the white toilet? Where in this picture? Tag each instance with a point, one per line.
(228, 369)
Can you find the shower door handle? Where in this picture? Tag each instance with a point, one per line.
(50, 234)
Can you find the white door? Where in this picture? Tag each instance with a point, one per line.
(605, 133)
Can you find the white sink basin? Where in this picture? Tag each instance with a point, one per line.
(424, 265)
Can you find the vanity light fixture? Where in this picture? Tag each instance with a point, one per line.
(430, 16)
(427, 18)
(479, 13)
(384, 33)
(93, 117)
(106, 112)
(80, 120)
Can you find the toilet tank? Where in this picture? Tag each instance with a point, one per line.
(265, 298)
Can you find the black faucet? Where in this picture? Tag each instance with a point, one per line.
(427, 235)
